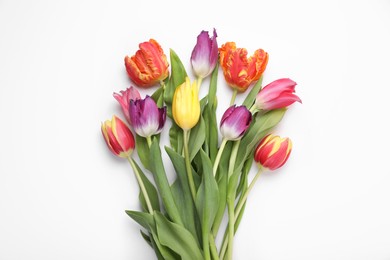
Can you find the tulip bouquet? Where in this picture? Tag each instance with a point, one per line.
(211, 160)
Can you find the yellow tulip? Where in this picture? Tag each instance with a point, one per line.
(186, 106)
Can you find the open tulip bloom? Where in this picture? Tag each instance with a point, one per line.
(211, 158)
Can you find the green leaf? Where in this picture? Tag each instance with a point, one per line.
(157, 95)
(176, 138)
(150, 189)
(212, 95)
(182, 192)
(207, 198)
(249, 100)
(177, 238)
(178, 76)
(160, 177)
(197, 138)
(146, 238)
(143, 150)
(144, 219)
(211, 130)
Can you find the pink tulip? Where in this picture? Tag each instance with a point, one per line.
(277, 94)
(205, 54)
(124, 98)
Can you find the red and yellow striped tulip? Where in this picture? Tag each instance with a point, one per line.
(148, 66)
(273, 151)
(239, 70)
(118, 137)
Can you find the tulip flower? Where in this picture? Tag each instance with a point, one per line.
(205, 54)
(185, 105)
(277, 94)
(145, 117)
(239, 70)
(148, 66)
(124, 97)
(273, 151)
(235, 121)
(118, 137)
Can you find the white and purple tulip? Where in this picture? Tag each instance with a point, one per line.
(235, 121)
(145, 117)
(204, 56)
(277, 94)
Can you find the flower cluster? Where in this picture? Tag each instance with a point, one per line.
(182, 220)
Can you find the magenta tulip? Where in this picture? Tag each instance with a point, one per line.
(124, 98)
(277, 94)
(145, 117)
(235, 121)
(205, 54)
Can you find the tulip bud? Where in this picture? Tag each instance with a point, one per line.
(273, 151)
(124, 100)
(145, 117)
(239, 70)
(277, 94)
(205, 54)
(148, 66)
(235, 121)
(118, 137)
(185, 105)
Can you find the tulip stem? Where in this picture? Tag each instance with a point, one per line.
(219, 154)
(188, 165)
(253, 109)
(141, 184)
(245, 195)
(149, 140)
(234, 95)
(230, 204)
(199, 82)
(213, 248)
(233, 157)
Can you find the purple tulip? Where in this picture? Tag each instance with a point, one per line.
(145, 117)
(235, 121)
(205, 54)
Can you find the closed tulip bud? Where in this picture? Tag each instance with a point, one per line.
(118, 137)
(235, 121)
(239, 70)
(205, 54)
(124, 97)
(148, 66)
(145, 117)
(273, 151)
(185, 105)
(277, 94)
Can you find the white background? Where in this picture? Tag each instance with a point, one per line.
(63, 195)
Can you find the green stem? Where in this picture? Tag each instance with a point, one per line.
(141, 184)
(219, 154)
(233, 157)
(233, 97)
(188, 165)
(245, 195)
(205, 240)
(230, 226)
(253, 109)
(213, 248)
(224, 246)
(149, 140)
(199, 82)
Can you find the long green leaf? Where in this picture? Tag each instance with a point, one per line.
(197, 138)
(150, 189)
(177, 238)
(143, 151)
(182, 191)
(250, 98)
(162, 183)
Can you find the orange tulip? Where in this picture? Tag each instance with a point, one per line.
(148, 66)
(239, 70)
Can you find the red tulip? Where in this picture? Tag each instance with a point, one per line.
(148, 66)
(273, 151)
(239, 70)
(118, 137)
